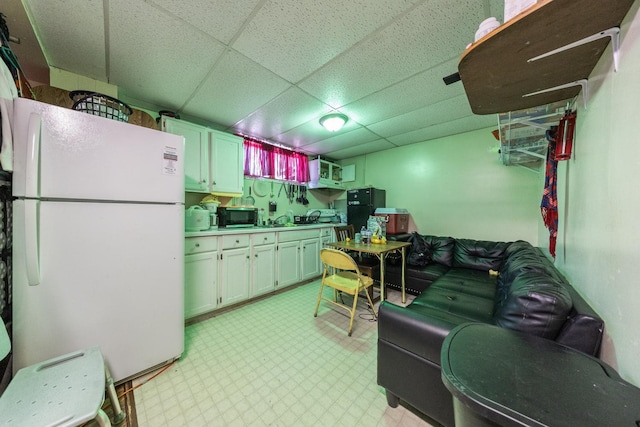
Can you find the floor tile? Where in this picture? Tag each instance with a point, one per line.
(271, 363)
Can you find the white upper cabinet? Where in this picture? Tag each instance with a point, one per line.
(324, 174)
(214, 161)
(227, 162)
(196, 153)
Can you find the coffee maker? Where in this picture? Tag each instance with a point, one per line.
(213, 223)
(213, 214)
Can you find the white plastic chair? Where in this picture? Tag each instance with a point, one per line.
(64, 391)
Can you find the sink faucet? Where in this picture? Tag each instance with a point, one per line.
(277, 220)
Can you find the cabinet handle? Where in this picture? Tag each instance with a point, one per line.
(197, 245)
(237, 241)
(256, 255)
(214, 183)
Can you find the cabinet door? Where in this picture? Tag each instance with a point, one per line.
(200, 283)
(227, 162)
(310, 258)
(263, 269)
(235, 276)
(196, 153)
(288, 263)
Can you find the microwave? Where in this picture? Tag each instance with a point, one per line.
(236, 217)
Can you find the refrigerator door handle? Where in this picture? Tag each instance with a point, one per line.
(32, 163)
(31, 246)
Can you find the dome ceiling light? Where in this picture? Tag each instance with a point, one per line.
(333, 122)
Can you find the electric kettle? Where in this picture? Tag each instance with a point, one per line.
(196, 219)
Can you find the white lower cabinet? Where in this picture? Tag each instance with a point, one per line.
(310, 258)
(228, 269)
(263, 263)
(298, 256)
(288, 263)
(200, 276)
(327, 235)
(234, 269)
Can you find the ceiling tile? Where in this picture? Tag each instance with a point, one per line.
(295, 38)
(285, 112)
(71, 35)
(407, 95)
(221, 19)
(449, 109)
(344, 140)
(235, 88)
(453, 127)
(431, 34)
(154, 57)
(358, 150)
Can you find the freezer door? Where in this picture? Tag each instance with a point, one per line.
(110, 275)
(65, 154)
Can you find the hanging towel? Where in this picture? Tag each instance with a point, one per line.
(549, 204)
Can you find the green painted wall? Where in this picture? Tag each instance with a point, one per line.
(598, 245)
(456, 186)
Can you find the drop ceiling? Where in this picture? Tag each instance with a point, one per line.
(271, 68)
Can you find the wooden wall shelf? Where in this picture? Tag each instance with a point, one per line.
(495, 72)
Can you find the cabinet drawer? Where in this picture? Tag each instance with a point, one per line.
(194, 245)
(326, 232)
(235, 241)
(290, 236)
(263, 239)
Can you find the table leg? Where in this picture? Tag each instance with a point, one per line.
(381, 277)
(404, 297)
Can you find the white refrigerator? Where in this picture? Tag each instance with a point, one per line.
(98, 239)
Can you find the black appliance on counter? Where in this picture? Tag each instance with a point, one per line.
(361, 203)
(237, 216)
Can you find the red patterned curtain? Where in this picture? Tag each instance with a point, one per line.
(262, 160)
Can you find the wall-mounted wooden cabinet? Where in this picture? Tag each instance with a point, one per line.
(497, 71)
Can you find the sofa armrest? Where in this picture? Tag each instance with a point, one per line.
(418, 331)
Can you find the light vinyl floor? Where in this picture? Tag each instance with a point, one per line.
(271, 363)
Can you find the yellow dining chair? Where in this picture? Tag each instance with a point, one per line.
(369, 265)
(346, 278)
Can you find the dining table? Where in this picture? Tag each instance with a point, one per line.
(380, 251)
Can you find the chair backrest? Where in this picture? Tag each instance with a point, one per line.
(338, 259)
(344, 231)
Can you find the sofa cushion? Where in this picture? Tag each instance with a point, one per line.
(441, 249)
(471, 282)
(512, 268)
(431, 272)
(478, 254)
(462, 305)
(536, 304)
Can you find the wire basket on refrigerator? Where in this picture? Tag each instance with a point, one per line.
(100, 105)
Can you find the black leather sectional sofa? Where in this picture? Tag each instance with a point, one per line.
(529, 295)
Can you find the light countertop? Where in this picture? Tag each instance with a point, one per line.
(252, 230)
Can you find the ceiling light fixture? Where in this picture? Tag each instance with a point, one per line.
(333, 122)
